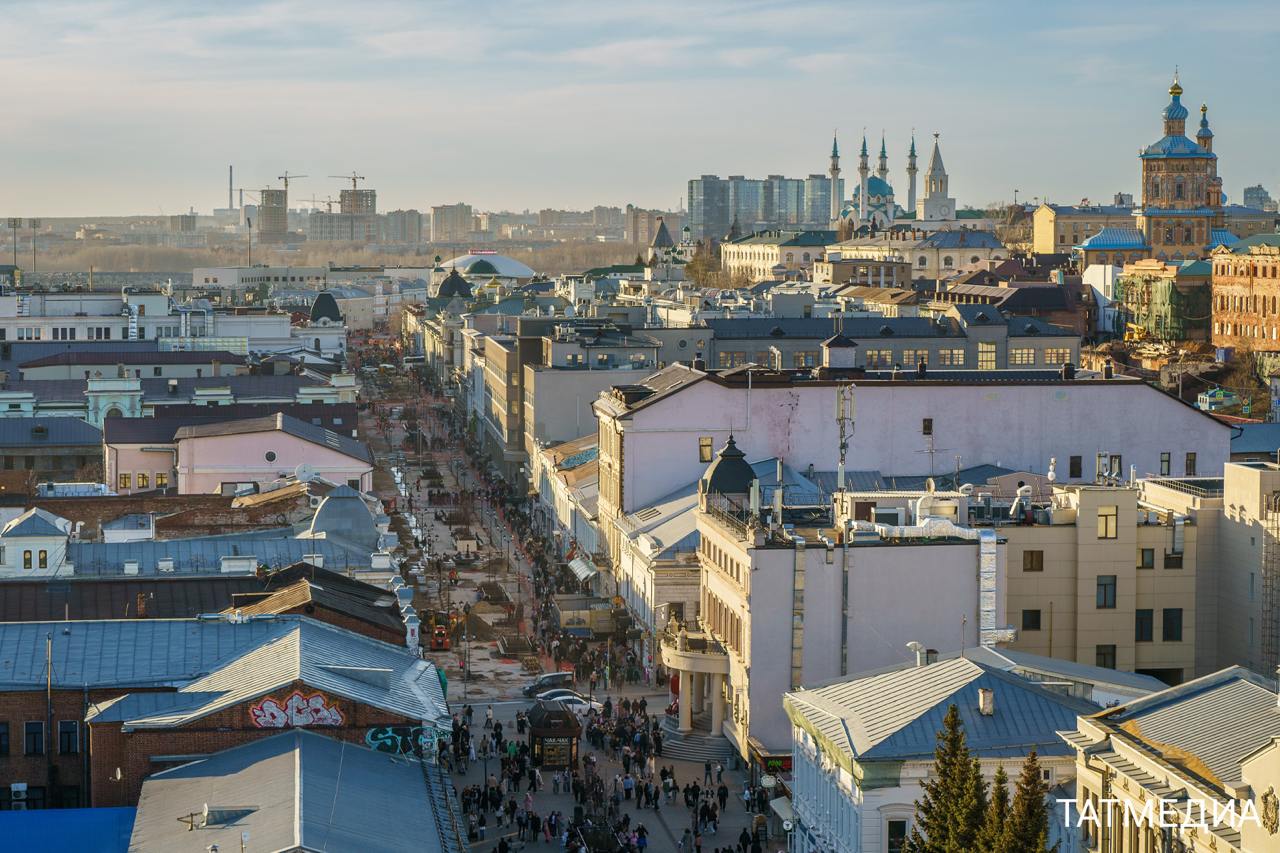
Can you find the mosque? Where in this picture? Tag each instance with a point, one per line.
(874, 206)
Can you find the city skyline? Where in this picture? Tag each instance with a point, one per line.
(615, 105)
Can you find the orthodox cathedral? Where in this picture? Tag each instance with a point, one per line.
(874, 207)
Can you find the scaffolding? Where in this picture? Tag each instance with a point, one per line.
(1271, 584)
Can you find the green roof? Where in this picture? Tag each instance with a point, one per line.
(616, 269)
(971, 214)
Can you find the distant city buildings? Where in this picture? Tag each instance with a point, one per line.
(451, 223)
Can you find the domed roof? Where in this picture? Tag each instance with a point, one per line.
(454, 285)
(343, 513)
(1175, 110)
(875, 187)
(1204, 132)
(729, 474)
(489, 265)
(324, 306)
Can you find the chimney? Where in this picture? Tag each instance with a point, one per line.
(141, 608)
(1068, 371)
(216, 366)
(1108, 370)
(986, 702)
(922, 368)
(779, 470)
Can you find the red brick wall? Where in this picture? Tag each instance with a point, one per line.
(351, 623)
(132, 751)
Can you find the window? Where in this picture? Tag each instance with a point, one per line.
(879, 357)
(1164, 464)
(1075, 467)
(948, 262)
(1191, 465)
(1142, 625)
(26, 560)
(4, 738)
(986, 355)
(896, 831)
(1057, 356)
(1105, 656)
(34, 738)
(1171, 625)
(798, 359)
(162, 480)
(951, 358)
(123, 481)
(1106, 592)
(1031, 620)
(270, 456)
(144, 481)
(922, 261)
(926, 426)
(704, 448)
(1107, 520)
(1033, 561)
(1023, 357)
(155, 371)
(68, 737)
(44, 559)
(915, 357)
(1146, 558)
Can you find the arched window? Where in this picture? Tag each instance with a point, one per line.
(806, 257)
(974, 259)
(114, 412)
(1177, 191)
(923, 261)
(947, 262)
(1168, 235)
(791, 256)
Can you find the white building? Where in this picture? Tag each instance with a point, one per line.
(862, 747)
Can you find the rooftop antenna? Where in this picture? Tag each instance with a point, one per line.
(845, 411)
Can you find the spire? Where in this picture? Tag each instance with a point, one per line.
(835, 146)
(864, 145)
(912, 152)
(1204, 136)
(935, 161)
(882, 150)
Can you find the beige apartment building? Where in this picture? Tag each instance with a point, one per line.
(1106, 582)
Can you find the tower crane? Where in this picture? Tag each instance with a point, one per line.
(328, 202)
(286, 177)
(353, 178)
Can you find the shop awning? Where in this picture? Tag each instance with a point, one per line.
(782, 808)
(583, 568)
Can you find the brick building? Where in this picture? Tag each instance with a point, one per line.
(1246, 295)
(129, 698)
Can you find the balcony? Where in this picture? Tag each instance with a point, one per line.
(692, 649)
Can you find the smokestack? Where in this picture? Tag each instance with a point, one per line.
(231, 183)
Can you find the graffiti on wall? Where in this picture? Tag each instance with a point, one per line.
(401, 740)
(297, 710)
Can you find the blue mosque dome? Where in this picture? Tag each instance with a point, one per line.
(875, 187)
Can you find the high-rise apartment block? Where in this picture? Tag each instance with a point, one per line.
(756, 204)
(359, 202)
(273, 216)
(450, 222)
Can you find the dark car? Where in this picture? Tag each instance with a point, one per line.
(548, 681)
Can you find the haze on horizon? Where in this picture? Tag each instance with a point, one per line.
(127, 107)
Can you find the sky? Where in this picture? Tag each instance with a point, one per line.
(125, 107)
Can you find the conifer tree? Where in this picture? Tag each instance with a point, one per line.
(993, 837)
(952, 804)
(1027, 826)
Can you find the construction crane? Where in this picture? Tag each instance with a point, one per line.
(286, 177)
(328, 202)
(353, 178)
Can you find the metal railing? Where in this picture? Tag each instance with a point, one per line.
(1199, 487)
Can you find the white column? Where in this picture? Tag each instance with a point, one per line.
(717, 703)
(686, 699)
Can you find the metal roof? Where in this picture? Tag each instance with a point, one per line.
(1211, 723)
(320, 655)
(130, 357)
(33, 522)
(1255, 438)
(78, 599)
(963, 238)
(48, 432)
(281, 422)
(203, 554)
(896, 716)
(1115, 238)
(299, 790)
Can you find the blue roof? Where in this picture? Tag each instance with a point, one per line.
(104, 830)
(875, 186)
(1176, 146)
(48, 431)
(202, 555)
(1115, 238)
(1175, 110)
(33, 522)
(1256, 438)
(1222, 237)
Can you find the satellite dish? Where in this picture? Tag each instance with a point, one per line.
(304, 473)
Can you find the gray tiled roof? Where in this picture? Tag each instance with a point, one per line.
(112, 357)
(202, 554)
(298, 790)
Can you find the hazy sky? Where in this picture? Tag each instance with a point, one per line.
(138, 107)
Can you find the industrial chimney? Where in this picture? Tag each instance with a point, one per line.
(231, 183)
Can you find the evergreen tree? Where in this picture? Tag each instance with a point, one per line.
(993, 838)
(1027, 826)
(953, 802)
(639, 261)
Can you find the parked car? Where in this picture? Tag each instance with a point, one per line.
(580, 705)
(548, 681)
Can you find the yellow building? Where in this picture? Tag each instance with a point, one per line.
(1105, 583)
(1056, 228)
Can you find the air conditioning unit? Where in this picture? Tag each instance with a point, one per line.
(165, 564)
(18, 796)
